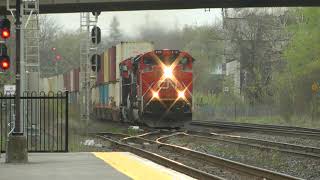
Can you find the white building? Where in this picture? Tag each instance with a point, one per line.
(233, 71)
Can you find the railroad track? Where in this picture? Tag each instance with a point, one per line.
(280, 130)
(195, 162)
(161, 160)
(253, 142)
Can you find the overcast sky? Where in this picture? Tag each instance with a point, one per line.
(130, 20)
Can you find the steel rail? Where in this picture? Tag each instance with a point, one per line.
(162, 160)
(229, 164)
(217, 161)
(262, 128)
(257, 143)
(117, 135)
(267, 125)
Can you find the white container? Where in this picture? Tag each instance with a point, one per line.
(52, 83)
(233, 70)
(125, 50)
(44, 85)
(117, 94)
(60, 83)
(114, 93)
(111, 92)
(94, 96)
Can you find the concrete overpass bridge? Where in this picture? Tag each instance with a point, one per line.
(69, 6)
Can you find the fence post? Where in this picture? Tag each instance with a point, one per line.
(67, 123)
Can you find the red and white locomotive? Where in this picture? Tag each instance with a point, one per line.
(156, 88)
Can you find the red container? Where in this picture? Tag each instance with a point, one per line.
(76, 79)
(66, 81)
(100, 74)
(113, 64)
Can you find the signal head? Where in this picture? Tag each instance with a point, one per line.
(96, 62)
(5, 28)
(96, 35)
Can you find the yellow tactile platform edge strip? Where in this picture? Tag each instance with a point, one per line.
(136, 168)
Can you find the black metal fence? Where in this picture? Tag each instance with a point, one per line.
(44, 120)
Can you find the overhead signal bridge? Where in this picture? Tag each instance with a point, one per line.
(68, 6)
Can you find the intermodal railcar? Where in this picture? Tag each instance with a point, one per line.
(136, 84)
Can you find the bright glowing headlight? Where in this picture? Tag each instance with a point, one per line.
(181, 94)
(167, 72)
(155, 94)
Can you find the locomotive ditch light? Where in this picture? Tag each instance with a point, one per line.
(181, 94)
(155, 94)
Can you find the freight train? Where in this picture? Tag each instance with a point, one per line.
(140, 85)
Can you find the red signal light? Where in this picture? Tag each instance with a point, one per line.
(5, 33)
(58, 57)
(4, 63)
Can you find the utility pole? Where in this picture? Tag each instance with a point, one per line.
(18, 74)
(17, 143)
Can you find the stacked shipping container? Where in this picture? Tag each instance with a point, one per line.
(112, 64)
(100, 74)
(108, 85)
(106, 66)
(69, 81)
(76, 78)
(125, 50)
(66, 81)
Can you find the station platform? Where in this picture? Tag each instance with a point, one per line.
(86, 166)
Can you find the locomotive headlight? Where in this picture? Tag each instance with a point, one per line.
(167, 72)
(181, 94)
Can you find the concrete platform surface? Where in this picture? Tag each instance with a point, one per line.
(59, 166)
(139, 168)
(87, 166)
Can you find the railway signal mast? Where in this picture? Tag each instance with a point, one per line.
(89, 60)
(26, 14)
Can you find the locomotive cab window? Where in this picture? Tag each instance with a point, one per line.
(148, 61)
(123, 68)
(168, 59)
(184, 61)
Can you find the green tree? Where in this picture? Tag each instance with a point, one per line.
(206, 46)
(303, 52)
(254, 39)
(303, 59)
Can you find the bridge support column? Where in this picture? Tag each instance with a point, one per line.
(17, 151)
